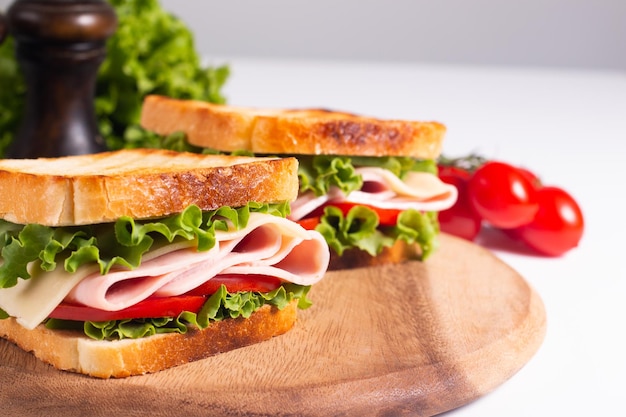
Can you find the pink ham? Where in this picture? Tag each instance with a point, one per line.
(269, 245)
(381, 188)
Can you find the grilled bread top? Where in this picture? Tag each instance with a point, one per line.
(141, 183)
(298, 132)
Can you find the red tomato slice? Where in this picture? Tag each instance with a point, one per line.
(310, 223)
(237, 283)
(169, 306)
(148, 308)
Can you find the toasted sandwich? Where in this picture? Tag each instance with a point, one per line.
(133, 261)
(370, 186)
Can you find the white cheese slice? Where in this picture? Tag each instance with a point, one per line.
(32, 300)
(421, 186)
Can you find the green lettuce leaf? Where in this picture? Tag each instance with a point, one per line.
(176, 141)
(359, 229)
(152, 52)
(318, 173)
(22, 248)
(399, 165)
(12, 94)
(418, 227)
(121, 243)
(219, 306)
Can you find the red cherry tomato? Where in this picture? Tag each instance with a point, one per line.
(461, 219)
(502, 195)
(452, 171)
(534, 179)
(558, 225)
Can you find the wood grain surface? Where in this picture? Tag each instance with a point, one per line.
(408, 339)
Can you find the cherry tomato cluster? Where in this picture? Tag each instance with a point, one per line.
(513, 199)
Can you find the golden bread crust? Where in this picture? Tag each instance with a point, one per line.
(306, 132)
(74, 352)
(141, 183)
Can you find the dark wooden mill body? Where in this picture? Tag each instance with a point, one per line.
(60, 45)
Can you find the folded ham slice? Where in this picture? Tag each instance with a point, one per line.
(269, 245)
(382, 189)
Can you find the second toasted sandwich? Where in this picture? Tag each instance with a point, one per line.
(369, 186)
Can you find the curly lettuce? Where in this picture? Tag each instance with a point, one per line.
(359, 228)
(12, 94)
(418, 227)
(219, 306)
(121, 243)
(320, 172)
(152, 52)
(399, 165)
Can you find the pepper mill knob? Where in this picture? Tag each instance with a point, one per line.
(60, 45)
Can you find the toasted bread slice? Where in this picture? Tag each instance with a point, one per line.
(73, 351)
(280, 132)
(141, 183)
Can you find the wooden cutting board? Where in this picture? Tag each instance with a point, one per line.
(408, 339)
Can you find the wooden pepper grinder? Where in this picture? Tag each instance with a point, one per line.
(60, 45)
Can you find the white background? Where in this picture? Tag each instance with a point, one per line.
(570, 33)
(579, 33)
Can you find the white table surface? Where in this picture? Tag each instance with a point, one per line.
(567, 126)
